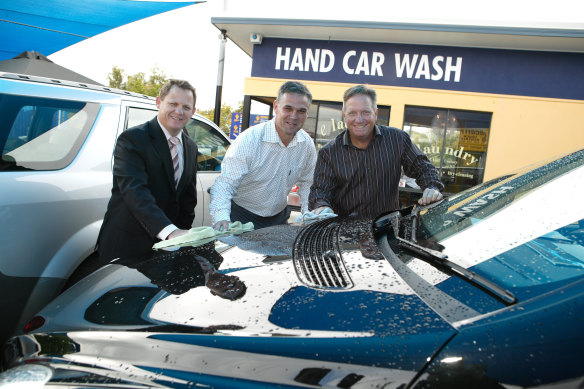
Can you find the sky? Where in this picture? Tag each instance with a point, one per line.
(182, 43)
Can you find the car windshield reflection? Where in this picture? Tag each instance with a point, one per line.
(526, 259)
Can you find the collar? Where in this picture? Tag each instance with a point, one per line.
(347, 138)
(271, 135)
(167, 134)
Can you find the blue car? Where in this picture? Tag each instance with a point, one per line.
(484, 289)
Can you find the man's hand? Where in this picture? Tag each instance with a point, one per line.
(430, 196)
(319, 209)
(222, 225)
(177, 233)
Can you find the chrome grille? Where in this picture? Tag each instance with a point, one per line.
(317, 258)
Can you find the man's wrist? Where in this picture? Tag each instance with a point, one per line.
(166, 231)
(220, 216)
(320, 204)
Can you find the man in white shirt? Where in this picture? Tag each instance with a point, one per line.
(264, 163)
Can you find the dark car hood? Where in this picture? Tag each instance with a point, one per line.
(338, 294)
(346, 298)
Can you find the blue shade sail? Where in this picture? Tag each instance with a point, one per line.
(51, 25)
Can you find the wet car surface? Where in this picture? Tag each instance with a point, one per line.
(484, 289)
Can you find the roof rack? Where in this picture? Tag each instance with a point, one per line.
(74, 84)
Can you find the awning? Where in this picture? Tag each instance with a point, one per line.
(50, 25)
(36, 64)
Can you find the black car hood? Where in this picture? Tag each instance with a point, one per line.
(326, 283)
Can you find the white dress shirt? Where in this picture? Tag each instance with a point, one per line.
(179, 145)
(171, 227)
(258, 172)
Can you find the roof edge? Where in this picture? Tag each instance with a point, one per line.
(458, 28)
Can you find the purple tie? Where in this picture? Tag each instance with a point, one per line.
(173, 143)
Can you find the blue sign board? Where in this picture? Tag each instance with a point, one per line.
(515, 72)
(256, 119)
(235, 125)
(236, 122)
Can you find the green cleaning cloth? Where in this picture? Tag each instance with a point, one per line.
(200, 235)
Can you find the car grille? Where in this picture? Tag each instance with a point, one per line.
(317, 258)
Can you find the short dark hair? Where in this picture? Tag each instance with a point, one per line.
(360, 90)
(294, 87)
(179, 83)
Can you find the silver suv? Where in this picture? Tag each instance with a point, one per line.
(57, 140)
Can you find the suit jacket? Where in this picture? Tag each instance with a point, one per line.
(144, 199)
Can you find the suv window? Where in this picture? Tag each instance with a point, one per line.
(138, 116)
(42, 134)
(212, 146)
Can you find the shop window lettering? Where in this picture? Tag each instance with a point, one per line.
(460, 154)
(336, 126)
(455, 141)
(458, 174)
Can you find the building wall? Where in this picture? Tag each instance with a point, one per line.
(523, 130)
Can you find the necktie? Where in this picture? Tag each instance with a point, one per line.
(173, 143)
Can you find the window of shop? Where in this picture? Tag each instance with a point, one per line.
(455, 141)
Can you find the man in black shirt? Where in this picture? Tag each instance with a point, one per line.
(358, 172)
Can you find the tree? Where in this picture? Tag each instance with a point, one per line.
(138, 82)
(116, 78)
(225, 118)
(150, 86)
(155, 81)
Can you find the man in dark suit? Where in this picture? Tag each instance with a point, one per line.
(154, 179)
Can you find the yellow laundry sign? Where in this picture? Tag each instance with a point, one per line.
(474, 139)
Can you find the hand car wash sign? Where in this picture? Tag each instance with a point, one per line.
(369, 64)
(526, 73)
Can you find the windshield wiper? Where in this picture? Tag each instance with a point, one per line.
(440, 260)
(398, 222)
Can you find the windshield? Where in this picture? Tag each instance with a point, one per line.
(524, 231)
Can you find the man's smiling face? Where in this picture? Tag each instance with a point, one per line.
(175, 110)
(291, 112)
(360, 116)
